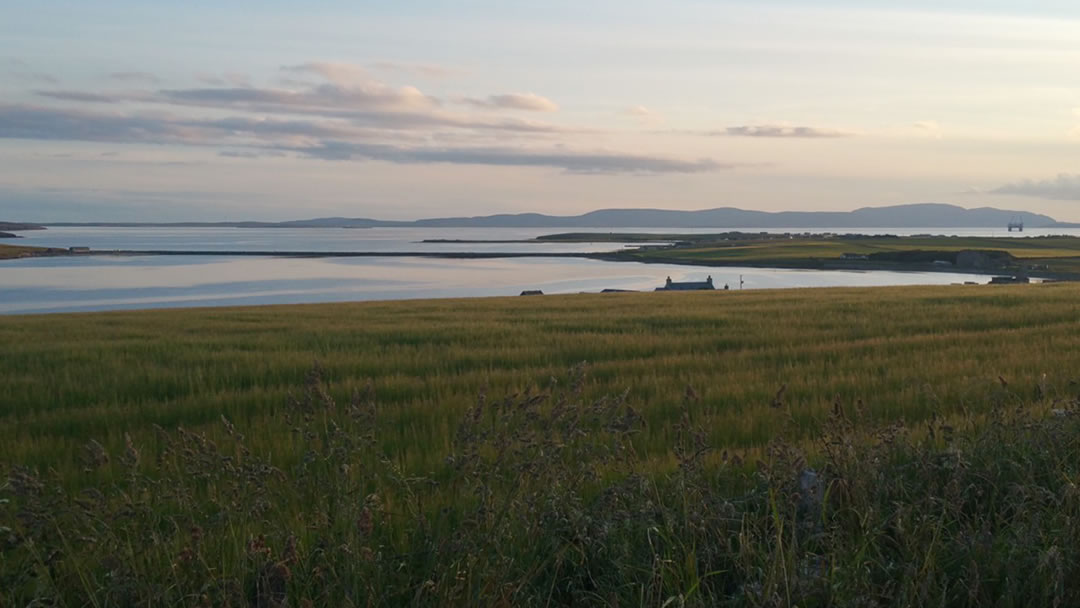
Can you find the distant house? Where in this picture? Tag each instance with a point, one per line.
(532, 292)
(687, 286)
(854, 256)
(79, 249)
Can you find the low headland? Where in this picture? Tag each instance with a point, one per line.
(12, 252)
(823, 447)
(1049, 257)
(1045, 257)
(18, 226)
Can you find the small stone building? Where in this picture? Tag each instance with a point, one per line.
(670, 285)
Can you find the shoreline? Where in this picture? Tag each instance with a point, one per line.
(809, 263)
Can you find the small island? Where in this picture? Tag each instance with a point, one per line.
(8, 235)
(1046, 257)
(18, 227)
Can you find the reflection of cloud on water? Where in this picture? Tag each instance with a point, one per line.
(186, 271)
(325, 240)
(113, 261)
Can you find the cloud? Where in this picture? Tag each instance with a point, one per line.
(80, 96)
(1064, 187)
(643, 115)
(929, 128)
(327, 140)
(529, 102)
(19, 69)
(35, 122)
(427, 70)
(378, 108)
(596, 163)
(374, 107)
(340, 91)
(251, 153)
(39, 77)
(235, 79)
(339, 73)
(48, 123)
(143, 77)
(367, 96)
(268, 128)
(780, 131)
(335, 111)
(214, 81)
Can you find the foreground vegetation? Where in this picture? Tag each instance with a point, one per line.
(822, 447)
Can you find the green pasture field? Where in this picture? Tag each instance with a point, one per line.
(756, 250)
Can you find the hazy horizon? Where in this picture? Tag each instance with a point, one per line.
(918, 222)
(123, 111)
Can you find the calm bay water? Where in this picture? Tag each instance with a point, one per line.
(387, 240)
(125, 282)
(408, 239)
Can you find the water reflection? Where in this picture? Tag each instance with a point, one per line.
(105, 283)
(409, 239)
(379, 240)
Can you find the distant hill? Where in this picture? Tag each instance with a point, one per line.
(900, 216)
(928, 215)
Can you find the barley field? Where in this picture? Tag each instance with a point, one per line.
(604, 449)
(906, 353)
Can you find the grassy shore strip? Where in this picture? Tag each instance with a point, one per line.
(1050, 257)
(11, 252)
(895, 446)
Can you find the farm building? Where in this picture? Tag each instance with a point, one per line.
(687, 286)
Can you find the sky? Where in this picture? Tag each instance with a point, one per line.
(117, 110)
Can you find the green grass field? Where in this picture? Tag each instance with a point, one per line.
(705, 385)
(906, 352)
(8, 252)
(1058, 253)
